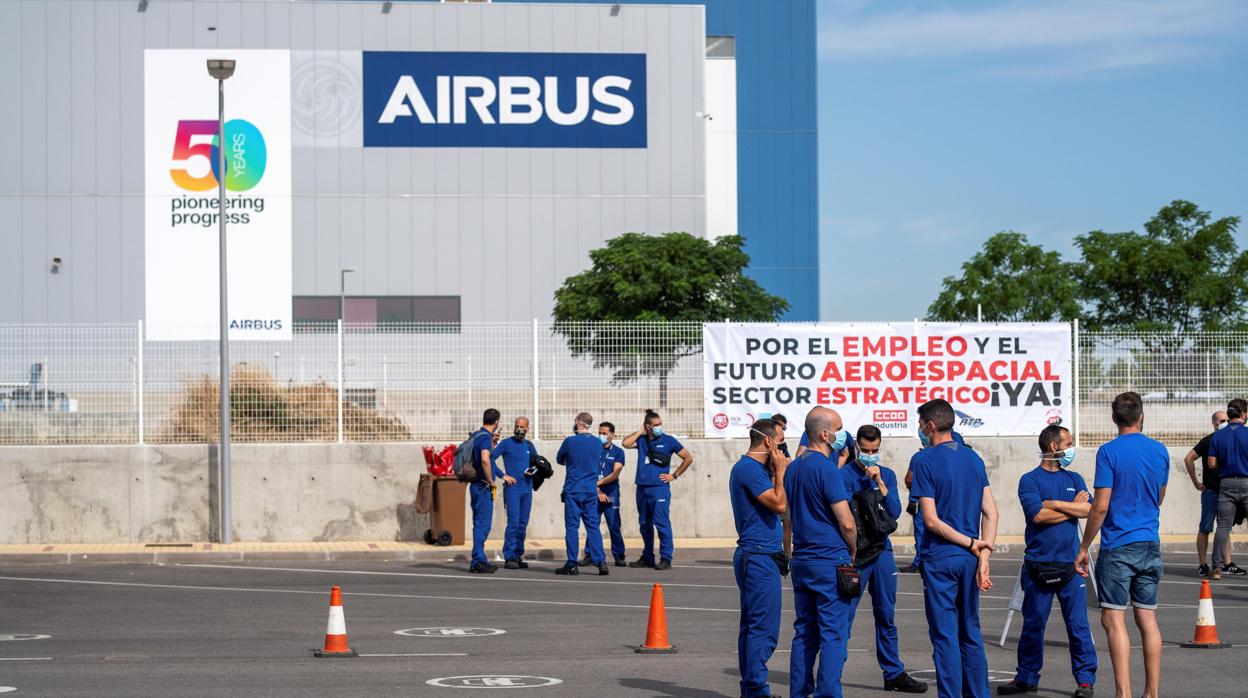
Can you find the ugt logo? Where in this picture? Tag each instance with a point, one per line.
(245, 154)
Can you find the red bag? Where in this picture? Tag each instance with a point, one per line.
(442, 465)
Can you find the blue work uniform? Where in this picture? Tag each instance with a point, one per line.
(879, 577)
(481, 498)
(954, 477)
(919, 526)
(821, 630)
(1058, 543)
(610, 509)
(759, 540)
(1229, 446)
(653, 495)
(518, 498)
(581, 453)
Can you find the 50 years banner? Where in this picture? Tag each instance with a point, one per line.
(1002, 379)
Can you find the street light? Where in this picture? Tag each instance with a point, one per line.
(342, 294)
(221, 69)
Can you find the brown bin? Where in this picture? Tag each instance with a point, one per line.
(446, 517)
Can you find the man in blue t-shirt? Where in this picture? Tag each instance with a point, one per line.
(609, 467)
(481, 492)
(756, 490)
(879, 574)
(824, 538)
(912, 505)
(1132, 472)
(655, 449)
(515, 453)
(1053, 500)
(1228, 456)
(581, 453)
(960, 518)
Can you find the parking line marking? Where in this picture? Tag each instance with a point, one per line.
(462, 577)
(25, 659)
(427, 654)
(473, 599)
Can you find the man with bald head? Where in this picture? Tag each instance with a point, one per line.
(515, 453)
(581, 452)
(824, 537)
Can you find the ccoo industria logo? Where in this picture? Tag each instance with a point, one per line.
(511, 100)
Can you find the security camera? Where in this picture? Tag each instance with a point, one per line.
(56, 261)
(704, 115)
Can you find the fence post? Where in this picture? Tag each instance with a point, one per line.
(1077, 400)
(139, 381)
(340, 390)
(536, 391)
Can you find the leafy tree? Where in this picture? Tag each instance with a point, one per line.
(669, 280)
(1013, 281)
(1185, 273)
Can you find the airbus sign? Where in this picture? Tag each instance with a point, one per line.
(428, 99)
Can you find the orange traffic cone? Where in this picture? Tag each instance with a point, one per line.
(336, 630)
(1206, 627)
(656, 632)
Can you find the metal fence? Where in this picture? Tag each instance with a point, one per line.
(75, 384)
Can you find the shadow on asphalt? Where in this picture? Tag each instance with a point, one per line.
(667, 689)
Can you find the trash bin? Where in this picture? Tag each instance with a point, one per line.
(446, 515)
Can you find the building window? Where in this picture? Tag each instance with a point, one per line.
(721, 47)
(384, 312)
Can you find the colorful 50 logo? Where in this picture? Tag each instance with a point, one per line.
(245, 154)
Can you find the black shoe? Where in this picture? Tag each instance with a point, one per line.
(912, 569)
(1014, 688)
(905, 683)
(664, 564)
(585, 561)
(621, 562)
(512, 564)
(603, 570)
(486, 568)
(568, 569)
(1203, 571)
(1084, 691)
(522, 564)
(641, 562)
(1233, 569)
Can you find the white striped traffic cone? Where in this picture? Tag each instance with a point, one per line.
(1206, 627)
(336, 630)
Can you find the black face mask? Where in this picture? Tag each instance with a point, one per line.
(520, 434)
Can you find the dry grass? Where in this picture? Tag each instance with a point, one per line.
(261, 409)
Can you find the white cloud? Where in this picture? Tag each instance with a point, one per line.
(1039, 39)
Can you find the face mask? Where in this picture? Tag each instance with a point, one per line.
(656, 431)
(1064, 460)
(1221, 425)
(838, 442)
(923, 440)
(603, 439)
(869, 461)
(520, 434)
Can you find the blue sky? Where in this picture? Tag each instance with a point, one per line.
(942, 123)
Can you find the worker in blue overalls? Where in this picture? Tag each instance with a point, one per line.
(515, 453)
(824, 538)
(1053, 500)
(878, 485)
(481, 492)
(609, 468)
(912, 505)
(960, 516)
(756, 490)
(655, 449)
(581, 453)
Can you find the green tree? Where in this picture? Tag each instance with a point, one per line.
(669, 281)
(1185, 273)
(1013, 281)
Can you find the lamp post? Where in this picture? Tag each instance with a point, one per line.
(342, 294)
(221, 70)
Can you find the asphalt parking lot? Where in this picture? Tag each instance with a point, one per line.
(245, 630)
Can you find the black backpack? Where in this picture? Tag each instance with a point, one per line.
(874, 523)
